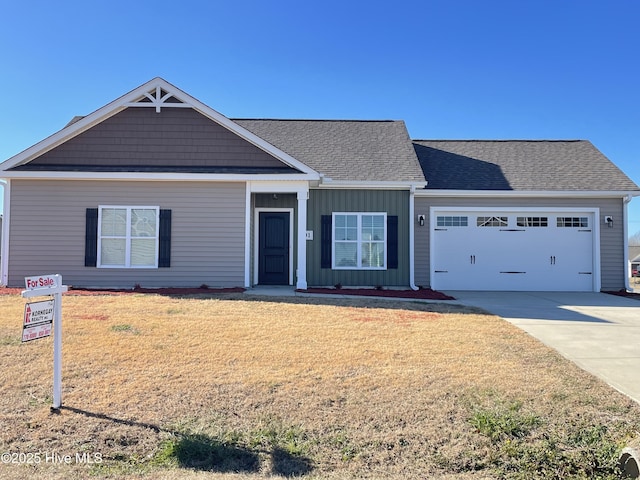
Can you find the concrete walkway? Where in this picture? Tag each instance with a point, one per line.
(598, 332)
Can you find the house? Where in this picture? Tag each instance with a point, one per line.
(158, 189)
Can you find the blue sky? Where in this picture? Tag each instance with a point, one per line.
(562, 69)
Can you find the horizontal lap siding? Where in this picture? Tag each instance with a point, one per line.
(174, 137)
(207, 242)
(325, 202)
(612, 269)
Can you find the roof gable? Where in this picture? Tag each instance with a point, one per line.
(519, 165)
(174, 140)
(159, 96)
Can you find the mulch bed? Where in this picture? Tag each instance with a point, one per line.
(421, 294)
(123, 291)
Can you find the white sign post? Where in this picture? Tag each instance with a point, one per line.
(50, 285)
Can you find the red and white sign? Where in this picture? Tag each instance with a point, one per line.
(41, 281)
(38, 317)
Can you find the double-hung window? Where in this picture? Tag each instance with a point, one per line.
(128, 237)
(359, 241)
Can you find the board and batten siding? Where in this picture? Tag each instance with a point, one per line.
(612, 270)
(325, 202)
(207, 234)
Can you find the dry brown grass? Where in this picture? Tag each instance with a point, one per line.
(283, 387)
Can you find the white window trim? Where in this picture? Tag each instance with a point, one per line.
(358, 241)
(127, 256)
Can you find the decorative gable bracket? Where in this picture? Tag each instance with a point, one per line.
(159, 98)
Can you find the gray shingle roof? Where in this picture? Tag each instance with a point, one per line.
(346, 150)
(534, 165)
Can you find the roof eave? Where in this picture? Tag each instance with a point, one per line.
(367, 184)
(157, 176)
(528, 193)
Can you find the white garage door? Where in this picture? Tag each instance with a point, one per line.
(512, 250)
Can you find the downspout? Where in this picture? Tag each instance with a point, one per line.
(4, 245)
(625, 229)
(412, 228)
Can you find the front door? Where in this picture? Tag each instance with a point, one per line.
(273, 254)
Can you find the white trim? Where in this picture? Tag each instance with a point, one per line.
(270, 186)
(256, 240)
(129, 99)
(526, 193)
(156, 176)
(128, 237)
(6, 221)
(301, 272)
(358, 242)
(412, 243)
(595, 212)
(247, 236)
(342, 184)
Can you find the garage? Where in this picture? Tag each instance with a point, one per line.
(514, 250)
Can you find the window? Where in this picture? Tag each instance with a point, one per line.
(575, 222)
(451, 221)
(532, 221)
(492, 221)
(359, 240)
(128, 237)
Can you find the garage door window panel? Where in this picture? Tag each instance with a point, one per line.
(452, 221)
(492, 221)
(532, 221)
(573, 222)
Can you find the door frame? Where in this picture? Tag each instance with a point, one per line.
(256, 240)
(595, 232)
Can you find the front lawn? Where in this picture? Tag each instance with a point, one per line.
(231, 386)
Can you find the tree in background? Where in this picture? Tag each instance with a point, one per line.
(634, 240)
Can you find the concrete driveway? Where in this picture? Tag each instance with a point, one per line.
(599, 332)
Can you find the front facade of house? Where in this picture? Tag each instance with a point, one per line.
(157, 189)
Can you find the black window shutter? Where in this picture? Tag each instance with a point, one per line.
(392, 241)
(164, 239)
(325, 241)
(91, 238)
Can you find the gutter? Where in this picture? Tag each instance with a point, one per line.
(4, 244)
(528, 193)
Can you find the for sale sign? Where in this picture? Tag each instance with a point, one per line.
(41, 281)
(38, 317)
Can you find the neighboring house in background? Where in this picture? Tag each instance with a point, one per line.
(158, 189)
(634, 261)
